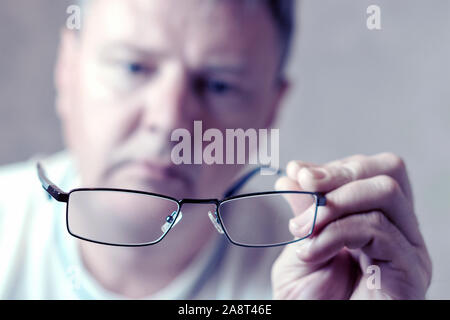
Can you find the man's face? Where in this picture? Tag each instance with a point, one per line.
(141, 69)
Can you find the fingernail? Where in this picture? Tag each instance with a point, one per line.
(292, 169)
(301, 225)
(316, 173)
(278, 184)
(303, 249)
(295, 228)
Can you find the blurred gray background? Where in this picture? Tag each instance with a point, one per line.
(354, 91)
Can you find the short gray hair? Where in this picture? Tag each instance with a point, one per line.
(283, 13)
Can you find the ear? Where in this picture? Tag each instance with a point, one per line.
(282, 87)
(66, 71)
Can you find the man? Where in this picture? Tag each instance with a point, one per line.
(137, 71)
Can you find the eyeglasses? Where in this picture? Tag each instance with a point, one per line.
(132, 218)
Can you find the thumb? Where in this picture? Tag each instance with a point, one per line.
(299, 203)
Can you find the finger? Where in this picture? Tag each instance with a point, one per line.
(298, 202)
(285, 183)
(377, 193)
(354, 157)
(337, 173)
(371, 232)
(293, 167)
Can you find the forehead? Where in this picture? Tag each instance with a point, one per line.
(239, 27)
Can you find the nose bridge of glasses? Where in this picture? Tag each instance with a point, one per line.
(199, 201)
(212, 216)
(173, 219)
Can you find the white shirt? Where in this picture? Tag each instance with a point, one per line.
(40, 260)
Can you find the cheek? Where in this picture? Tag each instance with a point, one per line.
(261, 110)
(99, 128)
(105, 117)
(267, 108)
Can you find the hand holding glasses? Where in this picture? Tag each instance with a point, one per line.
(105, 216)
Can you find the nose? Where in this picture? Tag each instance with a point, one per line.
(169, 101)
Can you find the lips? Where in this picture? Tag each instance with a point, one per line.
(151, 171)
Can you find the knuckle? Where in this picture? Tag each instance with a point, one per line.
(397, 162)
(353, 169)
(339, 226)
(358, 157)
(387, 184)
(378, 221)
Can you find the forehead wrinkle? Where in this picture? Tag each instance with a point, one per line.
(177, 15)
(197, 30)
(165, 24)
(242, 27)
(181, 17)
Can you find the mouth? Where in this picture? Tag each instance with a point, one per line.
(154, 170)
(157, 171)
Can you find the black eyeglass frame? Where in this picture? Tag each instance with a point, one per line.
(59, 195)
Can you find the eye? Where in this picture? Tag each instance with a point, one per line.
(218, 87)
(136, 68)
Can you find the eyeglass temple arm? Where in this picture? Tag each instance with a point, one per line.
(242, 181)
(50, 187)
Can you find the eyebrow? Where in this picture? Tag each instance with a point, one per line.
(130, 48)
(227, 69)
